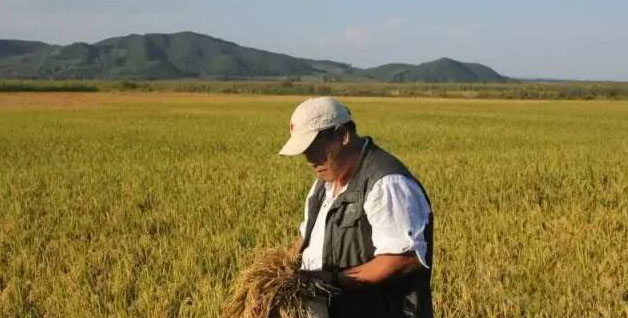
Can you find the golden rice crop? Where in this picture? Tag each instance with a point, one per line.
(150, 204)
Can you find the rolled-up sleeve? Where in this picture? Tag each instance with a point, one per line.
(398, 212)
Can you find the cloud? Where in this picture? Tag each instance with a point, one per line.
(359, 44)
(460, 32)
(357, 35)
(394, 23)
(365, 34)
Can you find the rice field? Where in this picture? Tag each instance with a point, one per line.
(148, 204)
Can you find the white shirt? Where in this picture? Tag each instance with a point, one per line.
(313, 255)
(395, 207)
(312, 258)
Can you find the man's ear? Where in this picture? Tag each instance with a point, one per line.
(346, 136)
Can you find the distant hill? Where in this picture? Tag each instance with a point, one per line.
(10, 48)
(441, 70)
(193, 55)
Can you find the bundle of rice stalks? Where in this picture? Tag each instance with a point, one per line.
(269, 288)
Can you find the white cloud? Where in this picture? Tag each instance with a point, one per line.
(460, 32)
(366, 34)
(359, 44)
(357, 35)
(394, 23)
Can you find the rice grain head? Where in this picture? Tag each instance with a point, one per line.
(269, 288)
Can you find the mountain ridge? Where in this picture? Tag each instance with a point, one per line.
(189, 54)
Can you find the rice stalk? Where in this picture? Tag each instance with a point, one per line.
(269, 288)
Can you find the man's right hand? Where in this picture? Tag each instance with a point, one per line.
(319, 283)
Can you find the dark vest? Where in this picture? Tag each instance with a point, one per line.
(348, 243)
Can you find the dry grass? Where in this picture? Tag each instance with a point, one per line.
(270, 288)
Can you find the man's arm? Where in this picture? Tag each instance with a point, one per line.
(378, 270)
(398, 213)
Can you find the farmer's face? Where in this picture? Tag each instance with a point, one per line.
(325, 155)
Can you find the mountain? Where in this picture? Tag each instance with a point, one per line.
(22, 58)
(16, 47)
(193, 55)
(153, 56)
(386, 72)
(441, 70)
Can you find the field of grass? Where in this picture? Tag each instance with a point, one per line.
(291, 86)
(147, 204)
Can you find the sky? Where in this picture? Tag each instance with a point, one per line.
(556, 39)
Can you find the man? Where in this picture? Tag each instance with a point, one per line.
(367, 234)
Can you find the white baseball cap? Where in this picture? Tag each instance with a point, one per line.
(310, 117)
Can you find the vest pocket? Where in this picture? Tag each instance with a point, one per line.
(350, 217)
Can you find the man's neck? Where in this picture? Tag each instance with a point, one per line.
(353, 157)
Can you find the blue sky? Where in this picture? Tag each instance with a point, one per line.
(574, 39)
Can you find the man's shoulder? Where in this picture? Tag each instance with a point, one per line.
(396, 184)
(395, 179)
(382, 163)
(383, 158)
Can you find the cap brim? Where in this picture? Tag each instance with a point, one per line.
(297, 144)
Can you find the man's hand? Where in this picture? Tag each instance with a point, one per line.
(319, 283)
(320, 276)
